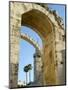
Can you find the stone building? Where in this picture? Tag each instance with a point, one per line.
(50, 28)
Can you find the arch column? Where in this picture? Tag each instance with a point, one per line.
(14, 51)
(49, 74)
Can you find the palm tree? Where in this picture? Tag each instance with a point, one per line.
(26, 70)
(29, 69)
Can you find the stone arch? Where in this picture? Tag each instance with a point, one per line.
(44, 27)
(31, 41)
(35, 17)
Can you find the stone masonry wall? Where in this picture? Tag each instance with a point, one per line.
(49, 58)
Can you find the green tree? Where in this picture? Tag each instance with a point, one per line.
(29, 69)
(26, 70)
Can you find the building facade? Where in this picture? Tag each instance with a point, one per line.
(50, 28)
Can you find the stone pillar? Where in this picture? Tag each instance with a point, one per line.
(14, 57)
(37, 68)
(15, 24)
(49, 61)
(60, 56)
(60, 69)
(13, 75)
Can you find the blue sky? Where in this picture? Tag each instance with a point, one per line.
(27, 50)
